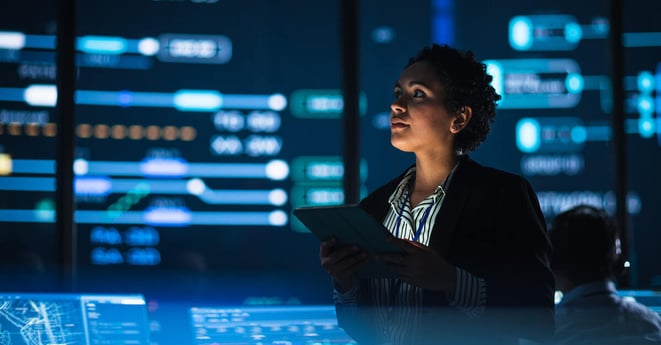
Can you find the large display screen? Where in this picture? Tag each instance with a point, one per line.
(200, 125)
(552, 64)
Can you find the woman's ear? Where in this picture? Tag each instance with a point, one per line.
(461, 119)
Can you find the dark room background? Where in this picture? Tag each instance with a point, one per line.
(200, 125)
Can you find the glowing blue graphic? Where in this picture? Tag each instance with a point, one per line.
(443, 21)
(141, 236)
(278, 218)
(92, 185)
(573, 32)
(657, 84)
(102, 186)
(272, 170)
(45, 184)
(554, 134)
(33, 166)
(156, 216)
(641, 39)
(536, 83)
(101, 45)
(383, 34)
(41, 95)
(12, 40)
(183, 100)
(198, 100)
(277, 170)
(178, 48)
(646, 127)
(260, 322)
(574, 83)
(521, 35)
(170, 216)
(645, 81)
(321, 103)
(324, 196)
(104, 235)
(275, 102)
(528, 135)
(579, 134)
(164, 167)
(645, 105)
(143, 257)
(148, 46)
(544, 32)
(496, 70)
(185, 48)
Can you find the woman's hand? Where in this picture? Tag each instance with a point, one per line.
(421, 266)
(341, 263)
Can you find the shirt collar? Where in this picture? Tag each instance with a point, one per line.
(401, 192)
(399, 196)
(606, 287)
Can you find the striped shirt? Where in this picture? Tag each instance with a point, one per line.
(397, 303)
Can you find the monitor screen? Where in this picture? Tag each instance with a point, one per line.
(292, 325)
(73, 319)
(200, 125)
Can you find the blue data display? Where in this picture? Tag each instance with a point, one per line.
(197, 134)
(48, 318)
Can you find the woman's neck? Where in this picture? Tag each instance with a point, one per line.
(429, 174)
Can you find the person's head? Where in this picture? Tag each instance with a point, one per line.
(452, 92)
(585, 245)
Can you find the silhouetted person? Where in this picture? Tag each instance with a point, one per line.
(585, 256)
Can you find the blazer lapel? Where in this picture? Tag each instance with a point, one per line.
(454, 201)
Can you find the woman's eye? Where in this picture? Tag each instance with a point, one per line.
(418, 93)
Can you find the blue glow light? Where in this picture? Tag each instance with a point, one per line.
(239, 101)
(33, 166)
(573, 32)
(641, 39)
(44, 184)
(101, 45)
(520, 33)
(645, 81)
(574, 83)
(164, 167)
(181, 218)
(170, 216)
(646, 127)
(528, 135)
(191, 100)
(645, 105)
(495, 69)
(579, 134)
(92, 185)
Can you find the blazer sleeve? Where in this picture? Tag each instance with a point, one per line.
(520, 284)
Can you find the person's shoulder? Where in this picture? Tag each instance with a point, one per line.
(641, 311)
(492, 174)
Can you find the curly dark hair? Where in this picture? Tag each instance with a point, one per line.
(584, 240)
(466, 83)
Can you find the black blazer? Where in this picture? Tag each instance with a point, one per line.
(491, 225)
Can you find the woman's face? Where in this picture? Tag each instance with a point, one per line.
(419, 120)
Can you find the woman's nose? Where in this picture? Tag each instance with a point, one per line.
(398, 106)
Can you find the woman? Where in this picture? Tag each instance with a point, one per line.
(476, 268)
